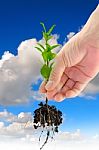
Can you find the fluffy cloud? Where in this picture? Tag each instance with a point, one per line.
(21, 126)
(14, 131)
(17, 73)
(70, 35)
(20, 118)
(93, 86)
(38, 96)
(16, 126)
(91, 90)
(70, 136)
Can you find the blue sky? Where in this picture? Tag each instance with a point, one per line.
(20, 20)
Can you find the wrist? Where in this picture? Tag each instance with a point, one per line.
(90, 31)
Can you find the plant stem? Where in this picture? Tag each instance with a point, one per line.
(46, 101)
(47, 63)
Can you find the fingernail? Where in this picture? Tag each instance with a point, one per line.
(49, 84)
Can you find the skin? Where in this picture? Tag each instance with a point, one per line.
(76, 64)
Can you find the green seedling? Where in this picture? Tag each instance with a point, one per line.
(47, 52)
(47, 116)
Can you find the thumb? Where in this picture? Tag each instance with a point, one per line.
(56, 73)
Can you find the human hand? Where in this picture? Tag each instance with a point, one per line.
(76, 64)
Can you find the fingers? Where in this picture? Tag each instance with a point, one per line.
(42, 87)
(59, 92)
(59, 97)
(76, 90)
(51, 93)
(67, 86)
(68, 92)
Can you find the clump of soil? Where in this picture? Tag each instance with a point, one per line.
(48, 117)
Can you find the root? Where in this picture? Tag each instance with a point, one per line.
(48, 117)
(48, 133)
(40, 135)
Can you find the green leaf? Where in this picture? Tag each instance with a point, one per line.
(47, 54)
(38, 49)
(49, 37)
(43, 26)
(51, 29)
(51, 56)
(54, 55)
(45, 36)
(41, 46)
(48, 47)
(54, 46)
(45, 71)
(44, 54)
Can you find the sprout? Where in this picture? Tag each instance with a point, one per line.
(46, 116)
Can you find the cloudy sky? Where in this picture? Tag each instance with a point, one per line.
(20, 77)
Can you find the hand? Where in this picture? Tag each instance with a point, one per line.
(76, 64)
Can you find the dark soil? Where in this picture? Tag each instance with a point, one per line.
(47, 116)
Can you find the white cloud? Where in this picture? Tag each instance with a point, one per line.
(17, 73)
(16, 133)
(92, 89)
(5, 57)
(1, 125)
(38, 96)
(7, 116)
(70, 35)
(80, 28)
(96, 137)
(16, 126)
(93, 86)
(31, 146)
(87, 96)
(70, 136)
(21, 126)
(20, 118)
(67, 140)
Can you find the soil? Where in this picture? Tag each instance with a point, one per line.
(48, 117)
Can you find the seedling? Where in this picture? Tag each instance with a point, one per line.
(46, 116)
